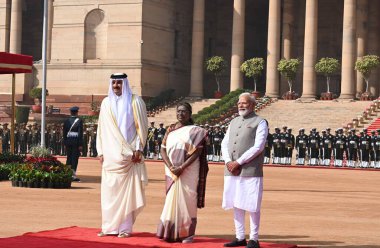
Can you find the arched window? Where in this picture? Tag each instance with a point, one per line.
(95, 39)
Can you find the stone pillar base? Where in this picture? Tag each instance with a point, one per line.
(347, 96)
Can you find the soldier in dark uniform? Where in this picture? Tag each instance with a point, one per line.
(372, 151)
(327, 141)
(339, 148)
(63, 142)
(29, 138)
(313, 145)
(268, 148)
(283, 145)
(58, 139)
(85, 140)
(290, 143)
(209, 144)
(73, 139)
(23, 138)
(218, 136)
(36, 135)
(152, 133)
(301, 146)
(51, 139)
(276, 146)
(93, 151)
(6, 138)
(160, 136)
(376, 147)
(16, 140)
(365, 147)
(352, 145)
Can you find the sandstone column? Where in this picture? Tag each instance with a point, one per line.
(348, 86)
(361, 38)
(310, 49)
(287, 29)
(273, 56)
(50, 29)
(196, 81)
(16, 27)
(374, 43)
(237, 55)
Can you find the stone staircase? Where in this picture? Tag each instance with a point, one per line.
(316, 114)
(168, 116)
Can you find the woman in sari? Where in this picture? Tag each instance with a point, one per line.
(184, 153)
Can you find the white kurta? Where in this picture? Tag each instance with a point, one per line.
(244, 192)
(122, 186)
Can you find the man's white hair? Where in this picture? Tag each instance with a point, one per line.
(249, 96)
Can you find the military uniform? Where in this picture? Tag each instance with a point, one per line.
(290, 143)
(352, 145)
(301, 146)
(365, 147)
(16, 140)
(268, 148)
(372, 156)
(23, 139)
(6, 138)
(160, 136)
(152, 133)
(73, 139)
(218, 136)
(85, 141)
(209, 143)
(36, 135)
(58, 140)
(327, 142)
(283, 145)
(339, 148)
(376, 148)
(93, 151)
(276, 146)
(313, 146)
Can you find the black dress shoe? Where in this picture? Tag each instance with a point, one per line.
(253, 244)
(236, 243)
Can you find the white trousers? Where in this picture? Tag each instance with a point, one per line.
(254, 220)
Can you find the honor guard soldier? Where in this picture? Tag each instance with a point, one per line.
(313, 145)
(6, 138)
(365, 147)
(51, 138)
(372, 156)
(327, 141)
(152, 134)
(29, 138)
(16, 140)
(218, 136)
(301, 146)
(85, 140)
(73, 139)
(268, 148)
(283, 145)
(352, 148)
(23, 138)
(276, 146)
(376, 146)
(290, 142)
(58, 139)
(36, 135)
(210, 152)
(160, 136)
(92, 133)
(339, 148)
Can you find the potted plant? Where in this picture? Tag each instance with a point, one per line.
(216, 65)
(253, 68)
(288, 69)
(36, 94)
(95, 108)
(327, 67)
(365, 65)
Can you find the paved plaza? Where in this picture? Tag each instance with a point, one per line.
(303, 206)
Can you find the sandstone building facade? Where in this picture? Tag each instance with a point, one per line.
(162, 44)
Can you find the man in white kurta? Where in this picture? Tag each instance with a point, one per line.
(121, 135)
(242, 149)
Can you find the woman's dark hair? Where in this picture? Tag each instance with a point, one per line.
(188, 107)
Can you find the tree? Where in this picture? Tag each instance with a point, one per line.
(288, 69)
(327, 67)
(365, 65)
(216, 65)
(253, 68)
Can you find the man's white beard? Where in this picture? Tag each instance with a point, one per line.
(244, 112)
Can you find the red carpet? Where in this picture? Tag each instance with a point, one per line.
(80, 237)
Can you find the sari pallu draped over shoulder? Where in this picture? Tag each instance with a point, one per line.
(186, 192)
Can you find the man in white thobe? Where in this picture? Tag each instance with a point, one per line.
(243, 153)
(121, 135)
